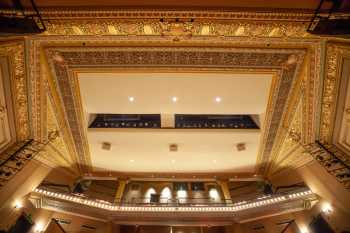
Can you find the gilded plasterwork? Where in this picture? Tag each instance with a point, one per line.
(152, 27)
(117, 13)
(229, 30)
(175, 23)
(60, 152)
(291, 153)
(335, 55)
(286, 61)
(14, 52)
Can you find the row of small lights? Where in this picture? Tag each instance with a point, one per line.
(237, 207)
(172, 161)
(175, 99)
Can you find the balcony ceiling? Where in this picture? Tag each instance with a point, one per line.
(196, 93)
(200, 150)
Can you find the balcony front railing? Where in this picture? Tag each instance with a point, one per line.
(300, 193)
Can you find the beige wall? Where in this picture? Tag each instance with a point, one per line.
(319, 181)
(337, 218)
(53, 228)
(326, 187)
(76, 223)
(20, 185)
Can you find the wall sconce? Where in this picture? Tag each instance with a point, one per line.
(38, 228)
(304, 230)
(327, 208)
(214, 194)
(18, 204)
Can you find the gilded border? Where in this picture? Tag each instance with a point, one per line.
(15, 52)
(286, 60)
(335, 56)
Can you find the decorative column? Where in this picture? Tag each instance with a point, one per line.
(225, 190)
(120, 191)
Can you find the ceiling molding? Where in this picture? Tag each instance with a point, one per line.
(336, 52)
(248, 36)
(62, 60)
(14, 52)
(157, 13)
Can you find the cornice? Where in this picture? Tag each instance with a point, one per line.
(177, 13)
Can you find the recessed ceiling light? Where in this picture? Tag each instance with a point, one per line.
(214, 161)
(218, 99)
(131, 99)
(173, 160)
(174, 99)
(131, 160)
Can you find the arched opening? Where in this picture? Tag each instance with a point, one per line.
(165, 195)
(151, 191)
(214, 195)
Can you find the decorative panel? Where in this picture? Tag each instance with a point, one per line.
(6, 118)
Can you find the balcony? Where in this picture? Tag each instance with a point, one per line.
(190, 209)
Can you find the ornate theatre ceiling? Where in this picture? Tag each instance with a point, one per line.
(172, 41)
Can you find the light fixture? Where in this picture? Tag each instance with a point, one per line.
(173, 161)
(174, 99)
(131, 99)
(218, 99)
(106, 146)
(39, 227)
(241, 146)
(304, 229)
(173, 147)
(18, 204)
(326, 208)
(213, 193)
(181, 193)
(214, 161)
(131, 160)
